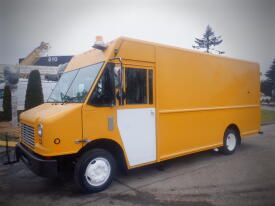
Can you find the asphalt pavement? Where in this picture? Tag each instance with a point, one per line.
(203, 179)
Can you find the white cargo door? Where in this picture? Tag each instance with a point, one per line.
(137, 129)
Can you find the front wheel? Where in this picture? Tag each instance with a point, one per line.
(94, 170)
(231, 141)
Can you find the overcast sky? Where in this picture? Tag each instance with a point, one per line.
(70, 26)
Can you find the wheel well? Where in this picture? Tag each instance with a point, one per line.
(110, 146)
(236, 128)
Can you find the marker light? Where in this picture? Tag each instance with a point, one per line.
(99, 43)
(40, 130)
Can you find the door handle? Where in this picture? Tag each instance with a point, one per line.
(81, 141)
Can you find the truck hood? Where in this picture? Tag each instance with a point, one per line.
(47, 112)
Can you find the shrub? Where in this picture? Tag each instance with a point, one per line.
(7, 104)
(34, 93)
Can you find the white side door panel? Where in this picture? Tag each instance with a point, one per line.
(137, 129)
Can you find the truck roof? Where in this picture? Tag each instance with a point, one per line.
(94, 55)
(183, 49)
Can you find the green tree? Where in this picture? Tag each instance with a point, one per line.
(34, 93)
(208, 41)
(266, 87)
(270, 74)
(270, 81)
(7, 103)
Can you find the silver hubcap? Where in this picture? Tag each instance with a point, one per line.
(98, 171)
(231, 141)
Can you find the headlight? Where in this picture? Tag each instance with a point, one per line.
(40, 130)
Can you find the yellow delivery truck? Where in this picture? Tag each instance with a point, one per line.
(131, 103)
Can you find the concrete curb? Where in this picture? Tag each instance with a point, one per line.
(10, 144)
(267, 123)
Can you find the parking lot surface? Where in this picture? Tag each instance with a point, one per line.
(203, 179)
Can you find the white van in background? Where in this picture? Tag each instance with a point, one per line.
(2, 85)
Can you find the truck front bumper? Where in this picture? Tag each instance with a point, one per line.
(37, 164)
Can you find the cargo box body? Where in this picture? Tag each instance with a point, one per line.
(191, 99)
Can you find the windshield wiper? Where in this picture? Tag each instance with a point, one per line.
(68, 99)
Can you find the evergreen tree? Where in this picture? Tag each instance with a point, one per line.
(7, 103)
(266, 87)
(270, 74)
(34, 93)
(208, 41)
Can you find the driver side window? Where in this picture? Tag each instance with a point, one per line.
(104, 92)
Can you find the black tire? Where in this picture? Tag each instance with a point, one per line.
(83, 182)
(228, 149)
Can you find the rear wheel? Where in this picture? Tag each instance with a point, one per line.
(231, 141)
(94, 170)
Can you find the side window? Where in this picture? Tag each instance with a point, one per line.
(104, 92)
(139, 86)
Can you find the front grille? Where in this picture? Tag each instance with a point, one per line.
(27, 134)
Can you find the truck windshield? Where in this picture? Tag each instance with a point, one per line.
(74, 86)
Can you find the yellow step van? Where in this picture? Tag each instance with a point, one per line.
(131, 103)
